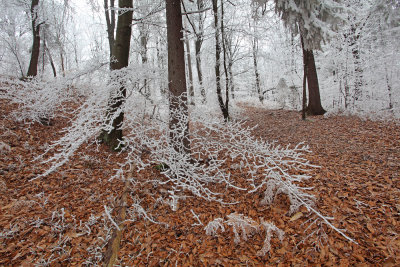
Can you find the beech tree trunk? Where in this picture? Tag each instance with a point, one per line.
(120, 52)
(198, 44)
(199, 70)
(229, 53)
(189, 64)
(314, 99)
(256, 73)
(33, 64)
(46, 49)
(224, 109)
(144, 38)
(354, 37)
(230, 72)
(304, 100)
(227, 80)
(179, 136)
(109, 13)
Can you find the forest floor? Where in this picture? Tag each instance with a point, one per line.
(60, 219)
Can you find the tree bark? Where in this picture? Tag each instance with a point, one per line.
(314, 100)
(46, 49)
(304, 102)
(144, 38)
(198, 44)
(256, 73)
(178, 122)
(225, 111)
(230, 55)
(354, 37)
(227, 80)
(120, 52)
(232, 83)
(33, 64)
(62, 62)
(109, 13)
(189, 64)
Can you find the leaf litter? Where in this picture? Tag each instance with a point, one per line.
(60, 219)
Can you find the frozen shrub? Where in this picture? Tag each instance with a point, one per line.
(243, 227)
(269, 229)
(213, 226)
(242, 224)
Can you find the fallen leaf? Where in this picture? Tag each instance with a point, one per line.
(297, 216)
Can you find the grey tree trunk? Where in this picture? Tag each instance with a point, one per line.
(304, 100)
(47, 50)
(109, 13)
(354, 37)
(230, 55)
(120, 52)
(224, 110)
(62, 62)
(189, 65)
(33, 64)
(179, 136)
(227, 78)
(230, 72)
(314, 99)
(198, 44)
(144, 38)
(256, 73)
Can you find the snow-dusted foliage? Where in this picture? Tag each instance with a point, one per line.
(213, 226)
(204, 171)
(243, 227)
(92, 116)
(242, 224)
(212, 145)
(361, 72)
(39, 99)
(315, 19)
(269, 229)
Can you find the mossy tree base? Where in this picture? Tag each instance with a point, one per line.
(111, 139)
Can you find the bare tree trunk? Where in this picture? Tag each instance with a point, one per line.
(33, 64)
(358, 72)
(46, 49)
(230, 55)
(177, 78)
(388, 84)
(62, 62)
(389, 88)
(304, 102)
(257, 74)
(53, 67)
(225, 112)
(143, 36)
(109, 13)
(199, 70)
(230, 72)
(189, 64)
(120, 52)
(314, 100)
(198, 44)
(227, 80)
(161, 62)
(43, 59)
